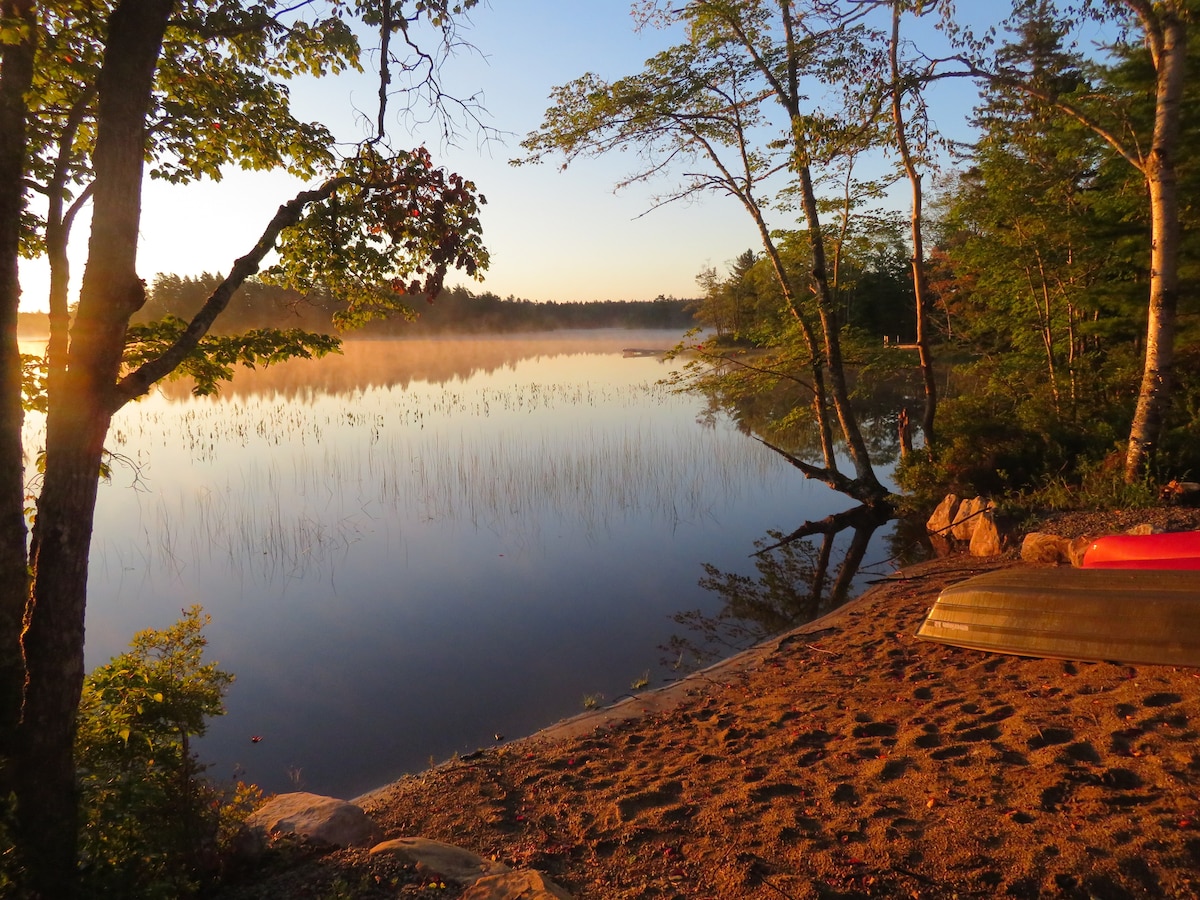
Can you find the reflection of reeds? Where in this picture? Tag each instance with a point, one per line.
(271, 487)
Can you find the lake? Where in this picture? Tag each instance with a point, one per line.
(416, 546)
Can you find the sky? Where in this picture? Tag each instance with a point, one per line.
(552, 234)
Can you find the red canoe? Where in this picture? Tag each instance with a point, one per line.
(1172, 550)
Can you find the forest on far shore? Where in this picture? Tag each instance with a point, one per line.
(456, 310)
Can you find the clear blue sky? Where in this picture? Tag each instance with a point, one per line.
(553, 235)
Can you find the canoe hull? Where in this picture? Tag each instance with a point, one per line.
(1117, 615)
(1171, 550)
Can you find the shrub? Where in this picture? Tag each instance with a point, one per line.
(149, 822)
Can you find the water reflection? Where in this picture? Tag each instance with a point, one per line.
(365, 364)
(800, 577)
(794, 584)
(410, 548)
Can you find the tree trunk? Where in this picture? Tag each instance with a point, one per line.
(785, 86)
(1043, 305)
(59, 218)
(1166, 31)
(870, 489)
(815, 356)
(921, 305)
(816, 359)
(76, 424)
(920, 282)
(16, 75)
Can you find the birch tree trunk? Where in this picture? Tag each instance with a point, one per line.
(1168, 42)
(1166, 33)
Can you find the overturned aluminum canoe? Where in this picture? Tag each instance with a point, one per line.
(1130, 616)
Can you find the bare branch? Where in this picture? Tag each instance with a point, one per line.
(829, 476)
(1131, 156)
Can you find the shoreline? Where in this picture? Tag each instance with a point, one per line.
(846, 758)
(666, 697)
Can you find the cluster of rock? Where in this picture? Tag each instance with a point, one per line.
(326, 821)
(970, 523)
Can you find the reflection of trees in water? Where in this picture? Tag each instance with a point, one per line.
(398, 362)
(810, 571)
(760, 394)
(801, 577)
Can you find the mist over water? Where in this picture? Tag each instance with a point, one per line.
(411, 548)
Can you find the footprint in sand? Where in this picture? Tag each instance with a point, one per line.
(895, 768)
(1162, 699)
(846, 794)
(1083, 752)
(928, 741)
(664, 794)
(875, 730)
(767, 792)
(1046, 737)
(984, 733)
(954, 751)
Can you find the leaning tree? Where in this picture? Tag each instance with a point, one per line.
(731, 109)
(375, 226)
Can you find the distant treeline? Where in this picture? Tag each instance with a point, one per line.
(33, 324)
(456, 310)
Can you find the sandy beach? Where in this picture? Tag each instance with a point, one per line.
(845, 759)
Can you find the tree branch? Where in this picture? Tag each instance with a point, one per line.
(832, 524)
(139, 381)
(998, 78)
(829, 476)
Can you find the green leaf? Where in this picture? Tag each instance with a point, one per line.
(215, 357)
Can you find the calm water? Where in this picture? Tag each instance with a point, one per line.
(416, 546)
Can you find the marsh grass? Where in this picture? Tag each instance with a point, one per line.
(507, 540)
(283, 487)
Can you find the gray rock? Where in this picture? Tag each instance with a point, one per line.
(322, 820)
(943, 517)
(985, 537)
(523, 884)
(448, 861)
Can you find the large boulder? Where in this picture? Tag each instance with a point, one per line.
(967, 518)
(320, 820)
(985, 536)
(943, 517)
